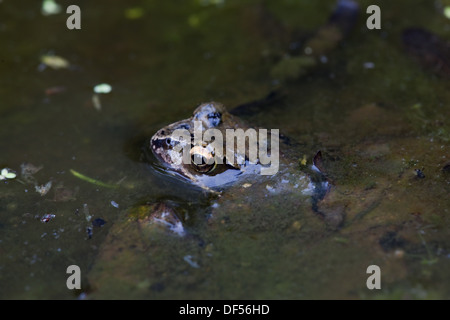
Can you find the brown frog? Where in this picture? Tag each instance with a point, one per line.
(218, 170)
(210, 171)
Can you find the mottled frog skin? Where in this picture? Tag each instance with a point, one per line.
(219, 176)
(163, 143)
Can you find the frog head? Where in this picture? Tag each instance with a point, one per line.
(202, 165)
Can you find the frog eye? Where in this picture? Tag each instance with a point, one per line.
(202, 159)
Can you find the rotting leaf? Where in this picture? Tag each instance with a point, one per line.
(43, 189)
(47, 217)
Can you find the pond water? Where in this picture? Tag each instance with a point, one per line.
(377, 115)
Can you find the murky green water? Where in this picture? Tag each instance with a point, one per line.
(375, 126)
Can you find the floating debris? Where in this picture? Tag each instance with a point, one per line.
(114, 204)
(102, 88)
(134, 13)
(193, 264)
(169, 219)
(420, 173)
(99, 222)
(27, 172)
(96, 102)
(399, 253)
(447, 12)
(246, 185)
(43, 189)
(54, 62)
(86, 212)
(47, 217)
(7, 174)
(215, 205)
(303, 161)
(297, 225)
(50, 7)
(91, 180)
(89, 232)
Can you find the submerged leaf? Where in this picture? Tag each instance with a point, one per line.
(91, 180)
(43, 189)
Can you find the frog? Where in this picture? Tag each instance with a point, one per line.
(215, 174)
(210, 163)
(207, 173)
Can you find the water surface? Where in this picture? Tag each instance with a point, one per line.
(375, 125)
